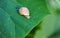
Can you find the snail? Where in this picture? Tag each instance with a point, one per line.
(25, 12)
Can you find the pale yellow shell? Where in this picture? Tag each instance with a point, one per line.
(24, 11)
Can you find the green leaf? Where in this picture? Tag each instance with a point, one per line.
(7, 26)
(51, 25)
(23, 26)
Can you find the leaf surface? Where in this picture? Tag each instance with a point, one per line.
(22, 26)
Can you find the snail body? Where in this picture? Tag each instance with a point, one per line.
(24, 11)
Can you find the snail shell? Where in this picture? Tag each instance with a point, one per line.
(24, 11)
